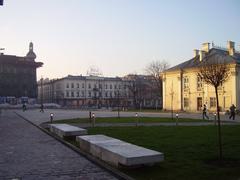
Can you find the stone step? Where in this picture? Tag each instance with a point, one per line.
(117, 152)
(65, 130)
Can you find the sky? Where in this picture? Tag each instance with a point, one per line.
(116, 36)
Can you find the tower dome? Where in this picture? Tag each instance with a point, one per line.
(31, 55)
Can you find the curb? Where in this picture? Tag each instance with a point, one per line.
(115, 172)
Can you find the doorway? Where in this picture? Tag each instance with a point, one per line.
(199, 103)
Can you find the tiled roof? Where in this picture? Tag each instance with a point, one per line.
(214, 56)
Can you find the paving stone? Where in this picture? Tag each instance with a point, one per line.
(28, 153)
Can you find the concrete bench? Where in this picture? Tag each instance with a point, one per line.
(65, 130)
(117, 152)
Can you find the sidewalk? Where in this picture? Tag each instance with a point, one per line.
(28, 153)
(37, 117)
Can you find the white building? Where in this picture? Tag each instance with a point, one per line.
(85, 91)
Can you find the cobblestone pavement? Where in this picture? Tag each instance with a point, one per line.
(28, 153)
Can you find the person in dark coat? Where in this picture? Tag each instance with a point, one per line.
(41, 108)
(232, 112)
(204, 113)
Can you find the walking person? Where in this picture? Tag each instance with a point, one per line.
(41, 108)
(232, 112)
(204, 113)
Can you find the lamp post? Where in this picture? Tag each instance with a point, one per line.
(177, 119)
(215, 118)
(51, 118)
(136, 115)
(93, 120)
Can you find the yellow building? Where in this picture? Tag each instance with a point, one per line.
(184, 90)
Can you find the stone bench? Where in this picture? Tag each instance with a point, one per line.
(117, 152)
(65, 130)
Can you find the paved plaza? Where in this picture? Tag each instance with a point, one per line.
(28, 153)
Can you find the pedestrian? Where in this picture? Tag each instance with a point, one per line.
(232, 112)
(41, 108)
(204, 113)
(24, 107)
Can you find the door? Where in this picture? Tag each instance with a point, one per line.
(199, 103)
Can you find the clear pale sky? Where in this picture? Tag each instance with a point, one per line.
(117, 36)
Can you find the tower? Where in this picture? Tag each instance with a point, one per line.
(31, 55)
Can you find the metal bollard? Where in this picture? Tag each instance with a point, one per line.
(93, 120)
(215, 119)
(51, 118)
(136, 115)
(176, 119)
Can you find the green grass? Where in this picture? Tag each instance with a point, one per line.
(186, 149)
(127, 120)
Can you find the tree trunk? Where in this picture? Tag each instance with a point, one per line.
(219, 127)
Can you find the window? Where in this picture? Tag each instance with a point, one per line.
(111, 94)
(77, 85)
(212, 102)
(185, 83)
(106, 94)
(77, 94)
(72, 94)
(83, 94)
(115, 86)
(106, 86)
(67, 85)
(89, 93)
(95, 86)
(67, 94)
(89, 86)
(82, 85)
(72, 85)
(186, 102)
(199, 83)
(110, 86)
(100, 86)
(100, 94)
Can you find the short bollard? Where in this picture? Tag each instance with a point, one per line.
(136, 115)
(215, 119)
(93, 120)
(90, 115)
(176, 119)
(51, 117)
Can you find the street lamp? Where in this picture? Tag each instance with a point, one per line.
(51, 117)
(136, 115)
(176, 119)
(93, 120)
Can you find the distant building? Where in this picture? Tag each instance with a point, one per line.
(18, 75)
(144, 92)
(184, 90)
(85, 91)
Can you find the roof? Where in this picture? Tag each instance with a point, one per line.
(11, 59)
(214, 56)
(71, 77)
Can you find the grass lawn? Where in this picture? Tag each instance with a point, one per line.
(188, 151)
(127, 120)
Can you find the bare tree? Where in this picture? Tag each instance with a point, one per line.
(155, 68)
(215, 74)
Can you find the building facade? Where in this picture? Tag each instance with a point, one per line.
(85, 91)
(18, 75)
(131, 91)
(184, 90)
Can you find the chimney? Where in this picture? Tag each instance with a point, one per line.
(201, 55)
(196, 52)
(231, 48)
(205, 47)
